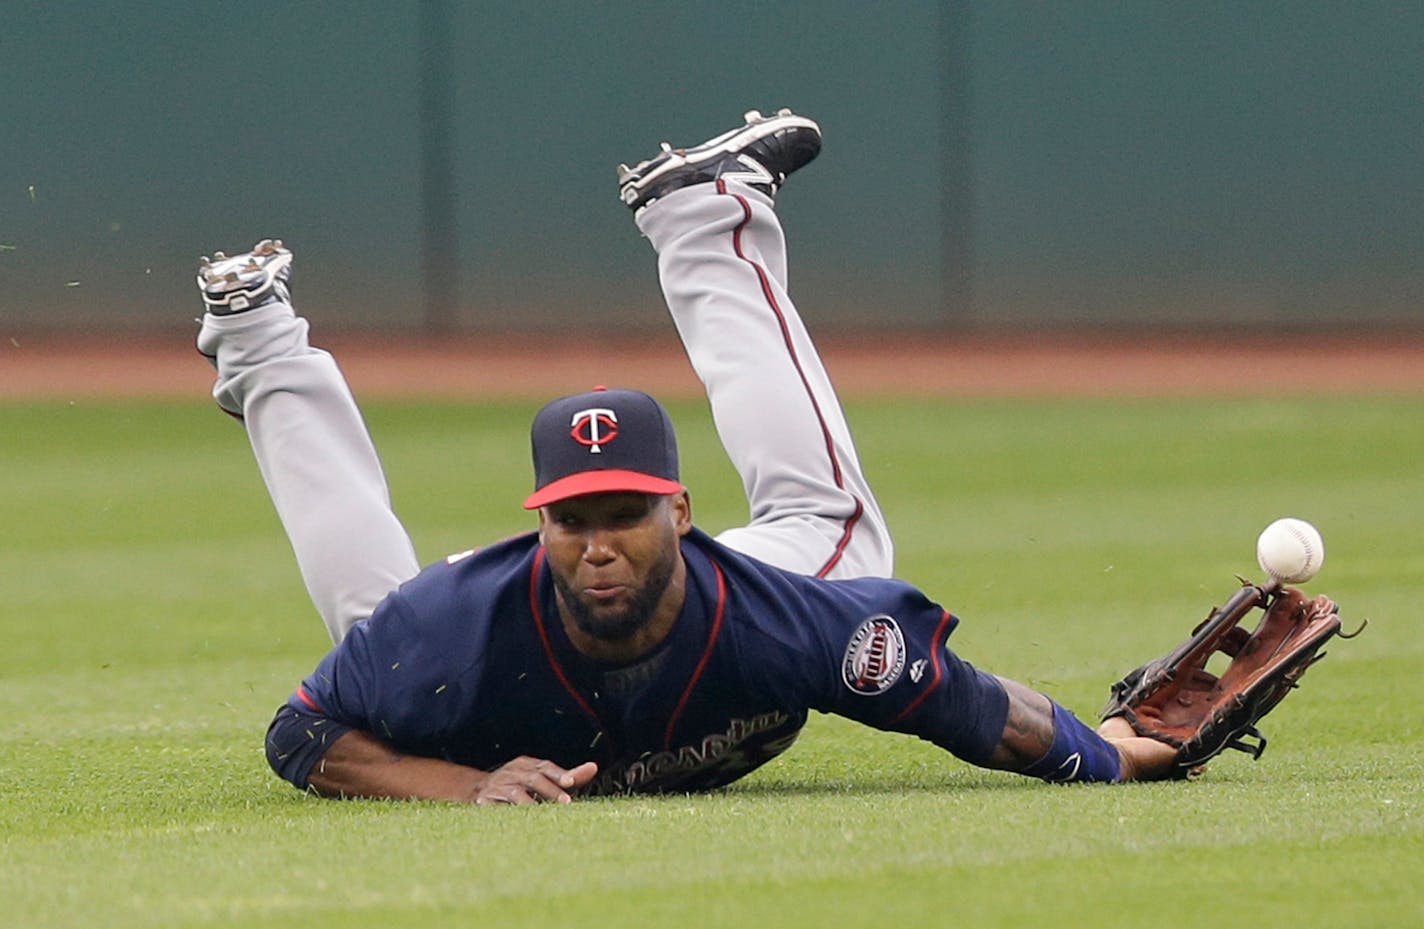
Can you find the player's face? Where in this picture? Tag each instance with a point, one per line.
(612, 557)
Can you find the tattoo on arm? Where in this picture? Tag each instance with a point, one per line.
(1028, 730)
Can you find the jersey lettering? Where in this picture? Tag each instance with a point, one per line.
(719, 758)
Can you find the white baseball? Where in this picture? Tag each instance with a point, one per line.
(1290, 550)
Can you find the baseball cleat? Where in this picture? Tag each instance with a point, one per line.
(246, 281)
(761, 154)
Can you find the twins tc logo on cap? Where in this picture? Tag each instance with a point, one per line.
(875, 656)
(603, 441)
(593, 427)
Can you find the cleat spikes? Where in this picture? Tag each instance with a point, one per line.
(761, 153)
(245, 281)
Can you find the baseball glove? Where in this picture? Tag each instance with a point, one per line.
(1176, 700)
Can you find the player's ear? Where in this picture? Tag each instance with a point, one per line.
(682, 511)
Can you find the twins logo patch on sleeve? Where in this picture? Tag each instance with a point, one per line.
(875, 656)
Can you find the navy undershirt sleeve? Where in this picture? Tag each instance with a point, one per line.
(297, 741)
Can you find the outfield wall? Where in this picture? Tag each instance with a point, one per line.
(1020, 166)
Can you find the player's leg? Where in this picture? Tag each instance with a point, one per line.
(310, 441)
(708, 212)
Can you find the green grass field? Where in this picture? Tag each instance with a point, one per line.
(152, 618)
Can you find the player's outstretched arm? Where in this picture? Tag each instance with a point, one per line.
(359, 765)
(1042, 739)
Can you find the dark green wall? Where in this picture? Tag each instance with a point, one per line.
(1255, 161)
(998, 164)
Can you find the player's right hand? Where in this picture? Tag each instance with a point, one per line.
(533, 780)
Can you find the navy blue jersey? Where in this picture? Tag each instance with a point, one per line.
(469, 662)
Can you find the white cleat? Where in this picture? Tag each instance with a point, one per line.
(244, 282)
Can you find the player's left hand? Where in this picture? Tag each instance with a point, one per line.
(1143, 759)
(1176, 701)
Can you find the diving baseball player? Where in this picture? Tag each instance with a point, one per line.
(617, 648)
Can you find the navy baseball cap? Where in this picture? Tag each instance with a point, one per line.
(602, 441)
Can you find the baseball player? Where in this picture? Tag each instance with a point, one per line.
(619, 649)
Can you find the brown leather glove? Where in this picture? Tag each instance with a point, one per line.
(1176, 700)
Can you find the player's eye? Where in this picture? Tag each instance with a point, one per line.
(564, 519)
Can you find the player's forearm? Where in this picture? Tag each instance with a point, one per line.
(1028, 728)
(360, 765)
(1042, 739)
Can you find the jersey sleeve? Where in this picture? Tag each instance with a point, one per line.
(406, 675)
(297, 741)
(347, 685)
(880, 655)
(340, 695)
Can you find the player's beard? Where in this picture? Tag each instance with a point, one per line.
(608, 626)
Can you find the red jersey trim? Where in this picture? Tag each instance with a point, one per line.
(937, 657)
(548, 646)
(305, 697)
(706, 656)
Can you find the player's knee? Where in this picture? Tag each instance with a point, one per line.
(869, 552)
